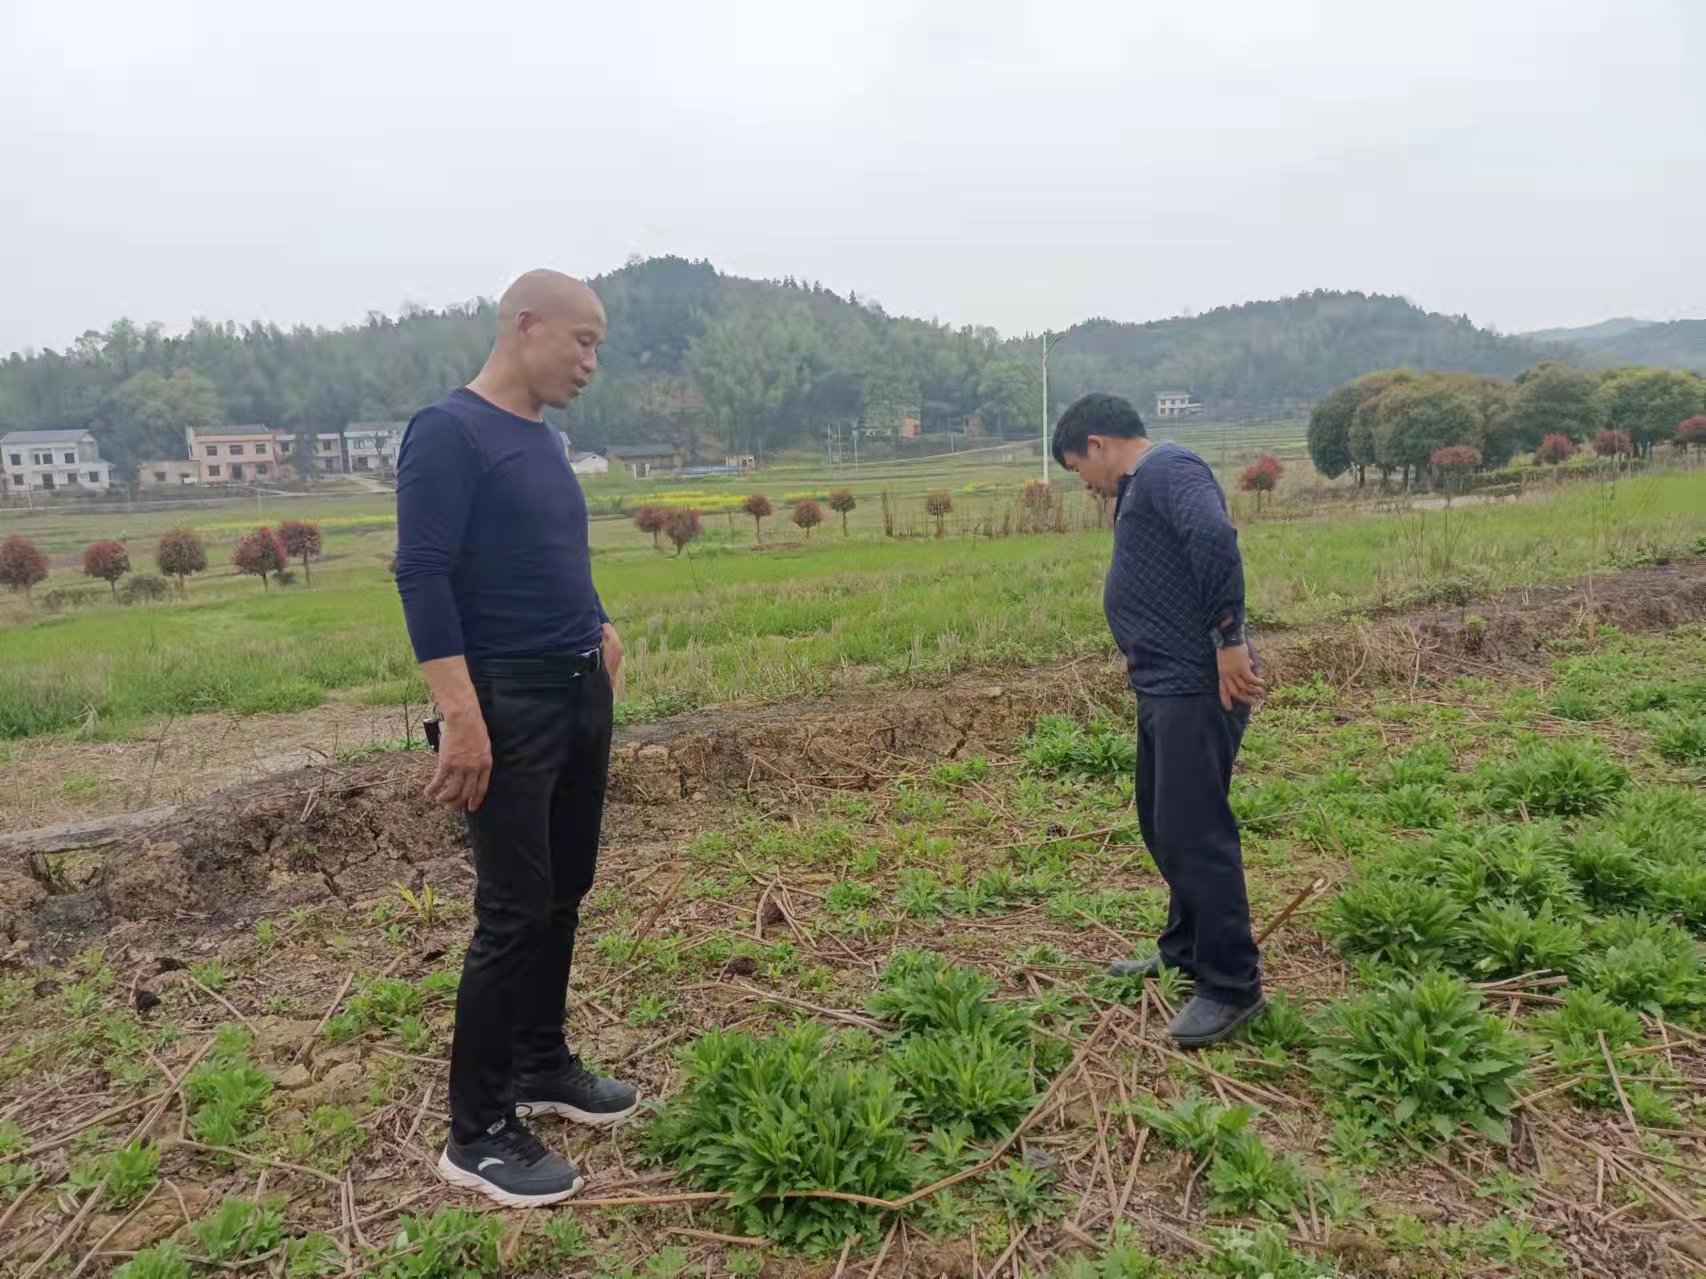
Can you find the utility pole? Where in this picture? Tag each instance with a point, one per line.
(1047, 347)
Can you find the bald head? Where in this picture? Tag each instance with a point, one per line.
(545, 292)
(550, 327)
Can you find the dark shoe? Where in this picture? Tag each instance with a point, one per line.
(1150, 967)
(576, 1093)
(507, 1163)
(1204, 1021)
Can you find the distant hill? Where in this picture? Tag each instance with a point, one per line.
(1677, 344)
(1588, 334)
(1275, 359)
(716, 362)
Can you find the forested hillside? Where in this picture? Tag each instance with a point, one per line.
(1680, 344)
(754, 365)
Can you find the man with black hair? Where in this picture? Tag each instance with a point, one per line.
(1174, 600)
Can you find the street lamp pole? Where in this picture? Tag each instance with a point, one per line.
(1049, 343)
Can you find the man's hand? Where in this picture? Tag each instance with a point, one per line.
(612, 646)
(464, 761)
(1238, 679)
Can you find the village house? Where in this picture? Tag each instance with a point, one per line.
(370, 448)
(588, 464)
(233, 454)
(170, 473)
(641, 460)
(53, 462)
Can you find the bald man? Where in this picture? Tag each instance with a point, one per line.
(496, 581)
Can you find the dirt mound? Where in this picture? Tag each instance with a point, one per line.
(351, 830)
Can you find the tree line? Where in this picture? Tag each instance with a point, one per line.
(709, 361)
(1412, 424)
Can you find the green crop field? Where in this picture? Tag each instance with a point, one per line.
(873, 1022)
(731, 619)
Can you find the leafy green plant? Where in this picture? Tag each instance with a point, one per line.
(131, 1173)
(1264, 1254)
(81, 1000)
(744, 1263)
(385, 1002)
(973, 768)
(1193, 1123)
(162, 1261)
(966, 1076)
(453, 1243)
(1504, 940)
(1424, 1054)
(238, 1229)
(442, 983)
(1557, 779)
(15, 1175)
(922, 992)
(1680, 738)
(1283, 1027)
(1519, 1245)
(1394, 920)
(649, 1009)
(1025, 1193)
(565, 1238)
(1426, 765)
(312, 1256)
(1247, 1177)
(1611, 873)
(1263, 809)
(330, 1138)
(848, 895)
(1573, 703)
(1645, 963)
(1123, 1259)
(1527, 864)
(762, 1116)
(426, 905)
(226, 1091)
(1415, 806)
(1585, 1016)
(1060, 746)
(665, 1263)
(212, 974)
(922, 895)
(415, 1034)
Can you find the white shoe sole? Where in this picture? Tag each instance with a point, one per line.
(465, 1180)
(597, 1119)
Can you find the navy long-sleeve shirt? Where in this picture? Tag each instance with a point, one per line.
(492, 555)
(1176, 573)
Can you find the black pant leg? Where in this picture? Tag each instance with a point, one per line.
(511, 835)
(1175, 942)
(1196, 742)
(577, 814)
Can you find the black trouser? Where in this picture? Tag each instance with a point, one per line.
(1185, 749)
(535, 841)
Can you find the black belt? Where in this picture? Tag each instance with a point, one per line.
(542, 670)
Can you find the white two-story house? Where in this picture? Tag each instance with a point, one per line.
(371, 447)
(53, 462)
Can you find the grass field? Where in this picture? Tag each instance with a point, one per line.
(730, 620)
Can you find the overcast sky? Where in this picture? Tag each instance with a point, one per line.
(1007, 162)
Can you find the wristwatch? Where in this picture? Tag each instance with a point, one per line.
(1229, 634)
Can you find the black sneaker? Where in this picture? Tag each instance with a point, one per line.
(575, 1093)
(507, 1163)
(1204, 1021)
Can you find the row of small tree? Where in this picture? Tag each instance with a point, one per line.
(179, 554)
(1399, 421)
